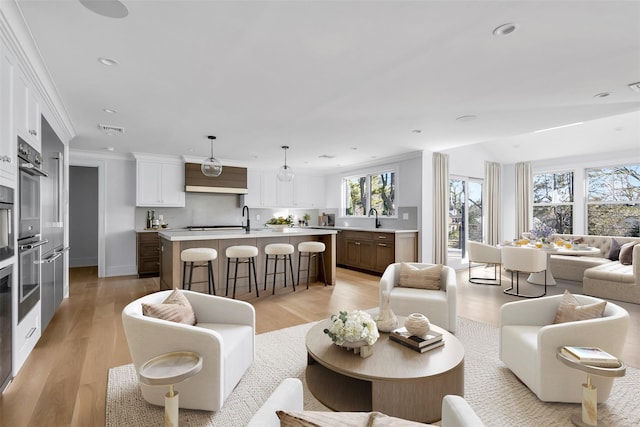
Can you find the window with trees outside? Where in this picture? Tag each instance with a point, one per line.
(613, 201)
(553, 200)
(465, 214)
(370, 191)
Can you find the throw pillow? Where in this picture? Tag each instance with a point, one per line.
(614, 252)
(412, 276)
(626, 253)
(570, 309)
(175, 308)
(322, 419)
(378, 419)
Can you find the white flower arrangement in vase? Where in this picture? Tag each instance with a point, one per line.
(354, 327)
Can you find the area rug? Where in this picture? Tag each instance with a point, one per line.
(491, 389)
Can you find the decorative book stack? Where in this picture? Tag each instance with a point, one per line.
(420, 344)
(593, 356)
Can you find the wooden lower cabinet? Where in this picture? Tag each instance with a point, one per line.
(148, 250)
(373, 251)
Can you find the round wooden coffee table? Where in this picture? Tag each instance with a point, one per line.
(395, 380)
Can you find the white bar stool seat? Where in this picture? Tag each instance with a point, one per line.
(193, 255)
(311, 250)
(241, 254)
(280, 252)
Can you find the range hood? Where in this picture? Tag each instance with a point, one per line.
(232, 180)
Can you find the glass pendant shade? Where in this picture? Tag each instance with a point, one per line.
(211, 166)
(285, 173)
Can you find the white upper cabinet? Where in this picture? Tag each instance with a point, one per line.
(159, 183)
(26, 110)
(265, 190)
(8, 160)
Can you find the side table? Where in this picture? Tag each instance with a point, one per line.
(589, 415)
(169, 369)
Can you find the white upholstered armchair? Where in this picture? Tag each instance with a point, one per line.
(224, 336)
(529, 342)
(481, 253)
(438, 305)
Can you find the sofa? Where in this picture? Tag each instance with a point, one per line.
(288, 396)
(600, 276)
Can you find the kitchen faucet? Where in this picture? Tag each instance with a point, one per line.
(378, 224)
(248, 226)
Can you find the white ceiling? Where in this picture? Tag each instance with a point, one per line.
(351, 79)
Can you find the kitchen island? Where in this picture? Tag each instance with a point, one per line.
(173, 242)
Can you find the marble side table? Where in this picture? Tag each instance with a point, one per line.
(170, 369)
(589, 415)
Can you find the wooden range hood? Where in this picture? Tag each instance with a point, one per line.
(232, 180)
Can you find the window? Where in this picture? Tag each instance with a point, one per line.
(370, 191)
(613, 201)
(553, 200)
(465, 214)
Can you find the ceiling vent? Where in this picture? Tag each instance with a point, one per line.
(111, 130)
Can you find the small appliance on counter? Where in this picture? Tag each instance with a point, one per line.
(327, 220)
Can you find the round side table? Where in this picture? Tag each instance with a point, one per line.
(169, 369)
(589, 415)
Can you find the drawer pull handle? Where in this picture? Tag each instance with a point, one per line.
(382, 237)
(358, 243)
(31, 332)
(382, 244)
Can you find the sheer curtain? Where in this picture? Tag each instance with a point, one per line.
(493, 194)
(440, 207)
(524, 198)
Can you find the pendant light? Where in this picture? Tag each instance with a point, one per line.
(285, 173)
(211, 166)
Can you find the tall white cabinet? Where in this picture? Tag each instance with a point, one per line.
(8, 161)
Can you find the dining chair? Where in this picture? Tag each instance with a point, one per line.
(524, 260)
(481, 253)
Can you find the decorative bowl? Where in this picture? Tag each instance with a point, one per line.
(417, 324)
(278, 227)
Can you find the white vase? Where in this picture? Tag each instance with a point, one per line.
(417, 324)
(387, 321)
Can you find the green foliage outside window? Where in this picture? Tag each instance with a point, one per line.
(370, 191)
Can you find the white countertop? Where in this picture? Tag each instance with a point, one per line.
(186, 235)
(375, 230)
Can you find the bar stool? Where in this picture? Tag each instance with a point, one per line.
(194, 255)
(278, 250)
(241, 254)
(311, 250)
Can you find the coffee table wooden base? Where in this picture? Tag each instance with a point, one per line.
(394, 380)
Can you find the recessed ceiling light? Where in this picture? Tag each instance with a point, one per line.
(107, 8)
(108, 62)
(110, 148)
(109, 110)
(505, 29)
(602, 95)
(558, 127)
(634, 86)
(465, 119)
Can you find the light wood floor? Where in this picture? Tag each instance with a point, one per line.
(63, 382)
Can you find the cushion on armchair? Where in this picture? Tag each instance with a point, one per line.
(344, 419)
(175, 308)
(421, 278)
(570, 309)
(626, 253)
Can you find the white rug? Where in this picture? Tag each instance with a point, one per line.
(490, 388)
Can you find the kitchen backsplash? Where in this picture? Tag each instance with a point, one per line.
(226, 209)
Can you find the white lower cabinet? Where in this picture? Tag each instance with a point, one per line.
(25, 337)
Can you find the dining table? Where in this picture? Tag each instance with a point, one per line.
(552, 249)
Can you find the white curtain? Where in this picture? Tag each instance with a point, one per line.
(524, 198)
(492, 196)
(440, 207)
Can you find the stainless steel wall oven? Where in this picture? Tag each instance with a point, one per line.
(6, 223)
(29, 240)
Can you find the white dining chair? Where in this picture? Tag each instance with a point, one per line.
(481, 253)
(524, 260)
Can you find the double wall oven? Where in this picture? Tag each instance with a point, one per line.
(29, 236)
(6, 223)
